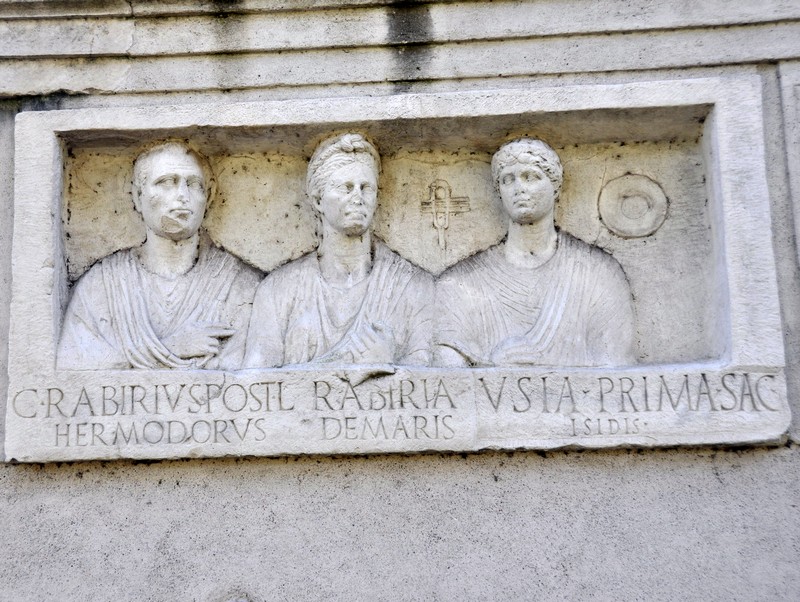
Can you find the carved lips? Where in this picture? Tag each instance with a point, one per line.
(349, 198)
(175, 220)
(527, 192)
(174, 196)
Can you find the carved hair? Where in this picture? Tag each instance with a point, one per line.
(143, 164)
(532, 152)
(334, 153)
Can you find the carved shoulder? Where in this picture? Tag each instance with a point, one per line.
(91, 284)
(468, 273)
(603, 265)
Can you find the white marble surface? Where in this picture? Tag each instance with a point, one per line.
(735, 328)
(711, 523)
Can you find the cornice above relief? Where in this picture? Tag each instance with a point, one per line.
(46, 9)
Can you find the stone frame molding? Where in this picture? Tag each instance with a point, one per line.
(738, 397)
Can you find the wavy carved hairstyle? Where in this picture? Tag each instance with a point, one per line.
(144, 162)
(334, 153)
(533, 152)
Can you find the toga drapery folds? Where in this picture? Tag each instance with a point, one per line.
(120, 313)
(298, 317)
(574, 310)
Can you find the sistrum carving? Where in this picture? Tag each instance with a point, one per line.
(441, 204)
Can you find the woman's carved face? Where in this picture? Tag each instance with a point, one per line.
(349, 198)
(527, 193)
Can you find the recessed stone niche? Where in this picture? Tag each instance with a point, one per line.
(668, 178)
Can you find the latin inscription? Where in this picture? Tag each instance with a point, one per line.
(130, 400)
(620, 406)
(156, 432)
(729, 392)
(148, 415)
(429, 410)
(409, 409)
(240, 412)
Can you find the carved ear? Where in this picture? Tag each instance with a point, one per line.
(211, 193)
(136, 194)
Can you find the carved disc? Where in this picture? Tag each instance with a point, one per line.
(632, 206)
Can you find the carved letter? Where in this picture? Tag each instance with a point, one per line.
(54, 404)
(172, 436)
(704, 390)
(566, 393)
(495, 403)
(604, 393)
(111, 399)
(527, 399)
(761, 397)
(626, 392)
(674, 402)
(729, 390)
(323, 396)
(406, 396)
(156, 431)
(334, 422)
(747, 392)
(379, 428)
(242, 399)
(83, 400)
(16, 408)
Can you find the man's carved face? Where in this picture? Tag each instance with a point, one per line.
(349, 198)
(173, 196)
(527, 193)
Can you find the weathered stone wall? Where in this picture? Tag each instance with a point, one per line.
(664, 524)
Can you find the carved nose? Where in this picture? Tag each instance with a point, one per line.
(183, 191)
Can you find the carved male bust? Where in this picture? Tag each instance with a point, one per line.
(541, 297)
(176, 301)
(352, 300)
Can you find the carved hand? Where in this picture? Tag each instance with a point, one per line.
(514, 350)
(374, 344)
(371, 344)
(197, 339)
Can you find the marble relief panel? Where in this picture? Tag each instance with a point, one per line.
(535, 279)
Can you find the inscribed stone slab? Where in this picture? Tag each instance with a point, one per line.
(684, 218)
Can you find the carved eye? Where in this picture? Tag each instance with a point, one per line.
(531, 176)
(167, 181)
(196, 185)
(507, 179)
